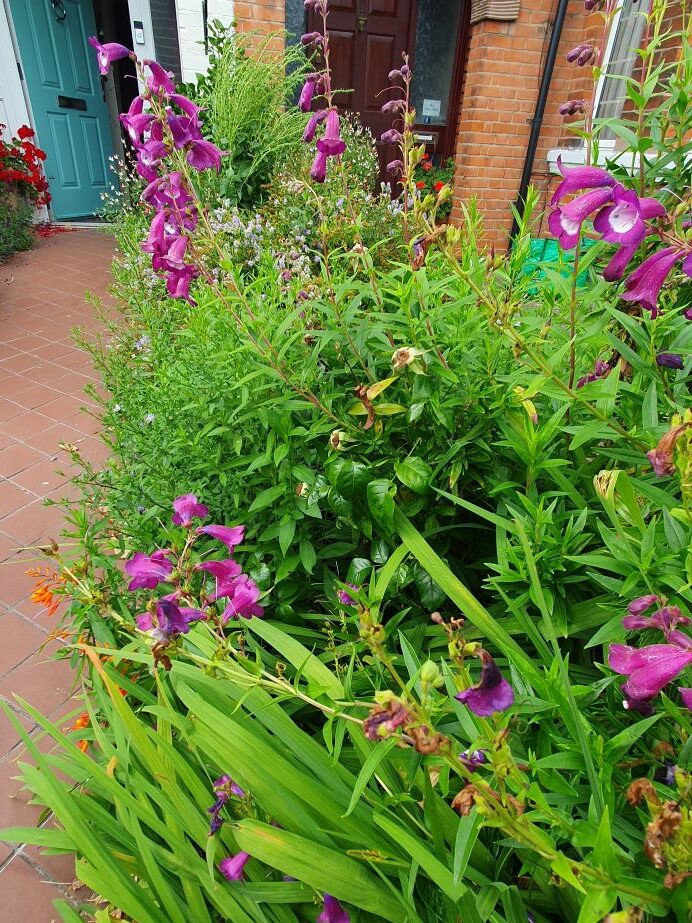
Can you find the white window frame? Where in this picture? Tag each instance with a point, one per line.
(575, 156)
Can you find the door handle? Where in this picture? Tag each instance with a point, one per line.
(361, 22)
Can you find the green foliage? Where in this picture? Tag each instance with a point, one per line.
(16, 232)
(245, 94)
(428, 474)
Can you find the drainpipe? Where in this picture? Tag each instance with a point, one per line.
(537, 120)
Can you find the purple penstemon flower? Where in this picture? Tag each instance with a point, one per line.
(307, 93)
(188, 107)
(645, 283)
(233, 867)
(575, 179)
(395, 167)
(229, 535)
(147, 571)
(333, 912)
(572, 107)
(648, 670)
(223, 571)
(312, 38)
(223, 787)
(186, 508)
(565, 221)
(178, 283)
(491, 694)
(391, 136)
(318, 170)
(686, 696)
(159, 80)
(331, 143)
(345, 597)
(670, 361)
(242, 599)
(315, 119)
(472, 759)
(169, 620)
(582, 54)
(203, 155)
(106, 54)
(622, 222)
(600, 370)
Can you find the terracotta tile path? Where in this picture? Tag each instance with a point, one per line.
(42, 404)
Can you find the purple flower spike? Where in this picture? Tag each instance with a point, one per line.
(600, 370)
(187, 508)
(577, 178)
(148, 571)
(670, 360)
(333, 911)
(203, 155)
(686, 696)
(566, 220)
(331, 143)
(106, 54)
(229, 535)
(492, 694)
(645, 283)
(159, 80)
(648, 669)
(233, 867)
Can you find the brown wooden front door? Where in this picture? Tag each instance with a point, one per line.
(366, 40)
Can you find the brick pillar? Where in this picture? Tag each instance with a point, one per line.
(503, 72)
(260, 17)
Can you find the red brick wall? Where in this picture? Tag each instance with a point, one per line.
(503, 72)
(259, 17)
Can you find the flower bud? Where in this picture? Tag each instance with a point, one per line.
(581, 54)
(572, 107)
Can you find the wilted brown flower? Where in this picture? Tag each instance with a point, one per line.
(465, 800)
(660, 830)
(642, 788)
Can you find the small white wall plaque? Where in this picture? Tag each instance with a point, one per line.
(431, 107)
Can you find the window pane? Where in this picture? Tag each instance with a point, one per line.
(437, 30)
(621, 63)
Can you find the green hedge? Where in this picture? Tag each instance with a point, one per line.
(16, 232)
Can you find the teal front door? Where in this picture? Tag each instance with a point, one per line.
(69, 111)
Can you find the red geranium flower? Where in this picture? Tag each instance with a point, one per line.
(438, 186)
(427, 166)
(25, 132)
(420, 184)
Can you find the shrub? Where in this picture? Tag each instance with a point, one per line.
(430, 531)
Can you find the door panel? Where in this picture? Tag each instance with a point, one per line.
(58, 62)
(367, 38)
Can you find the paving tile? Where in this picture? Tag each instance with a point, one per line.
(27, 425)
(24, 896)
(17, 457)
(49, 439)
(12, 498)
(20, 637)
(33, 523)
(63, 407)
(42, 681)
(41, 478)
(9, 408)
(16, 584)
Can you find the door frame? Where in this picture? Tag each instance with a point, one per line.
(445, 148)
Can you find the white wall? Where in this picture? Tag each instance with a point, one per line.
(141, 12)
(193, 60)
(13, 108)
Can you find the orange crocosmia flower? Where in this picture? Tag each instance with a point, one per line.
(44, 592)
